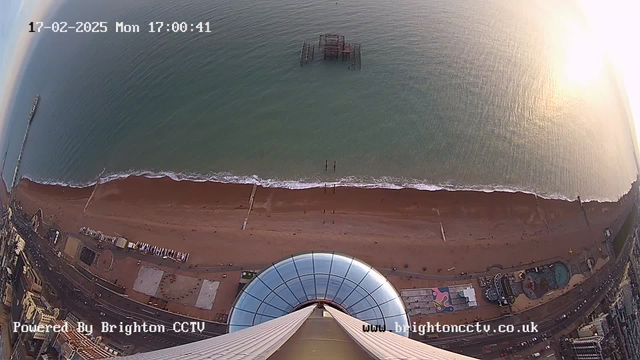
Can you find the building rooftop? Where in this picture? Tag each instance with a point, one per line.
(38, 301)
(82, 344)
(587, 340)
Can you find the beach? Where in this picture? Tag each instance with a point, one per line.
(385, 228)
(399, 232)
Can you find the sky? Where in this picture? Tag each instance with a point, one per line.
(15, 42)
(8, 23)
(8, 37)
(614, 23)
(9, 29)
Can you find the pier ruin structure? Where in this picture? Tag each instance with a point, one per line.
(333, 47)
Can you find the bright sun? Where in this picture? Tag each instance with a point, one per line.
(615, 27)
(582, 59)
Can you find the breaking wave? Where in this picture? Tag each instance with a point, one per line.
(308, 183)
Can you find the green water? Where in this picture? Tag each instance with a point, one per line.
(456, 94)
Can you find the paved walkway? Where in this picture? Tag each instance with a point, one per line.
(120, 254)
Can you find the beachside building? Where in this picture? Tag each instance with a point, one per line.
(589, 348)
(32, 309)
(36, 311)
(626, 327)
(72, 344)
(19, 352)
(72, 319)
(7, 295)
(313, 306)
(598, 326)
(12, 248)
(587, 331)
(635, 254)
(26, 275)
(627, 297)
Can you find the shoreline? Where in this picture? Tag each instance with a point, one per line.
(383, 212)
(305, 184)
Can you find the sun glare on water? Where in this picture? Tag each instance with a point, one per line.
(583, 60)
(614, 29)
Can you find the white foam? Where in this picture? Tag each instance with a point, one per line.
(308, 183)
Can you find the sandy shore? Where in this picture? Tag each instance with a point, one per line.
(383, 227)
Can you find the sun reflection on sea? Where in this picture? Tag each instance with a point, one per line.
(583, 60)
(615, 27)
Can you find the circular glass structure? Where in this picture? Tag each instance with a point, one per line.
(344, 282)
